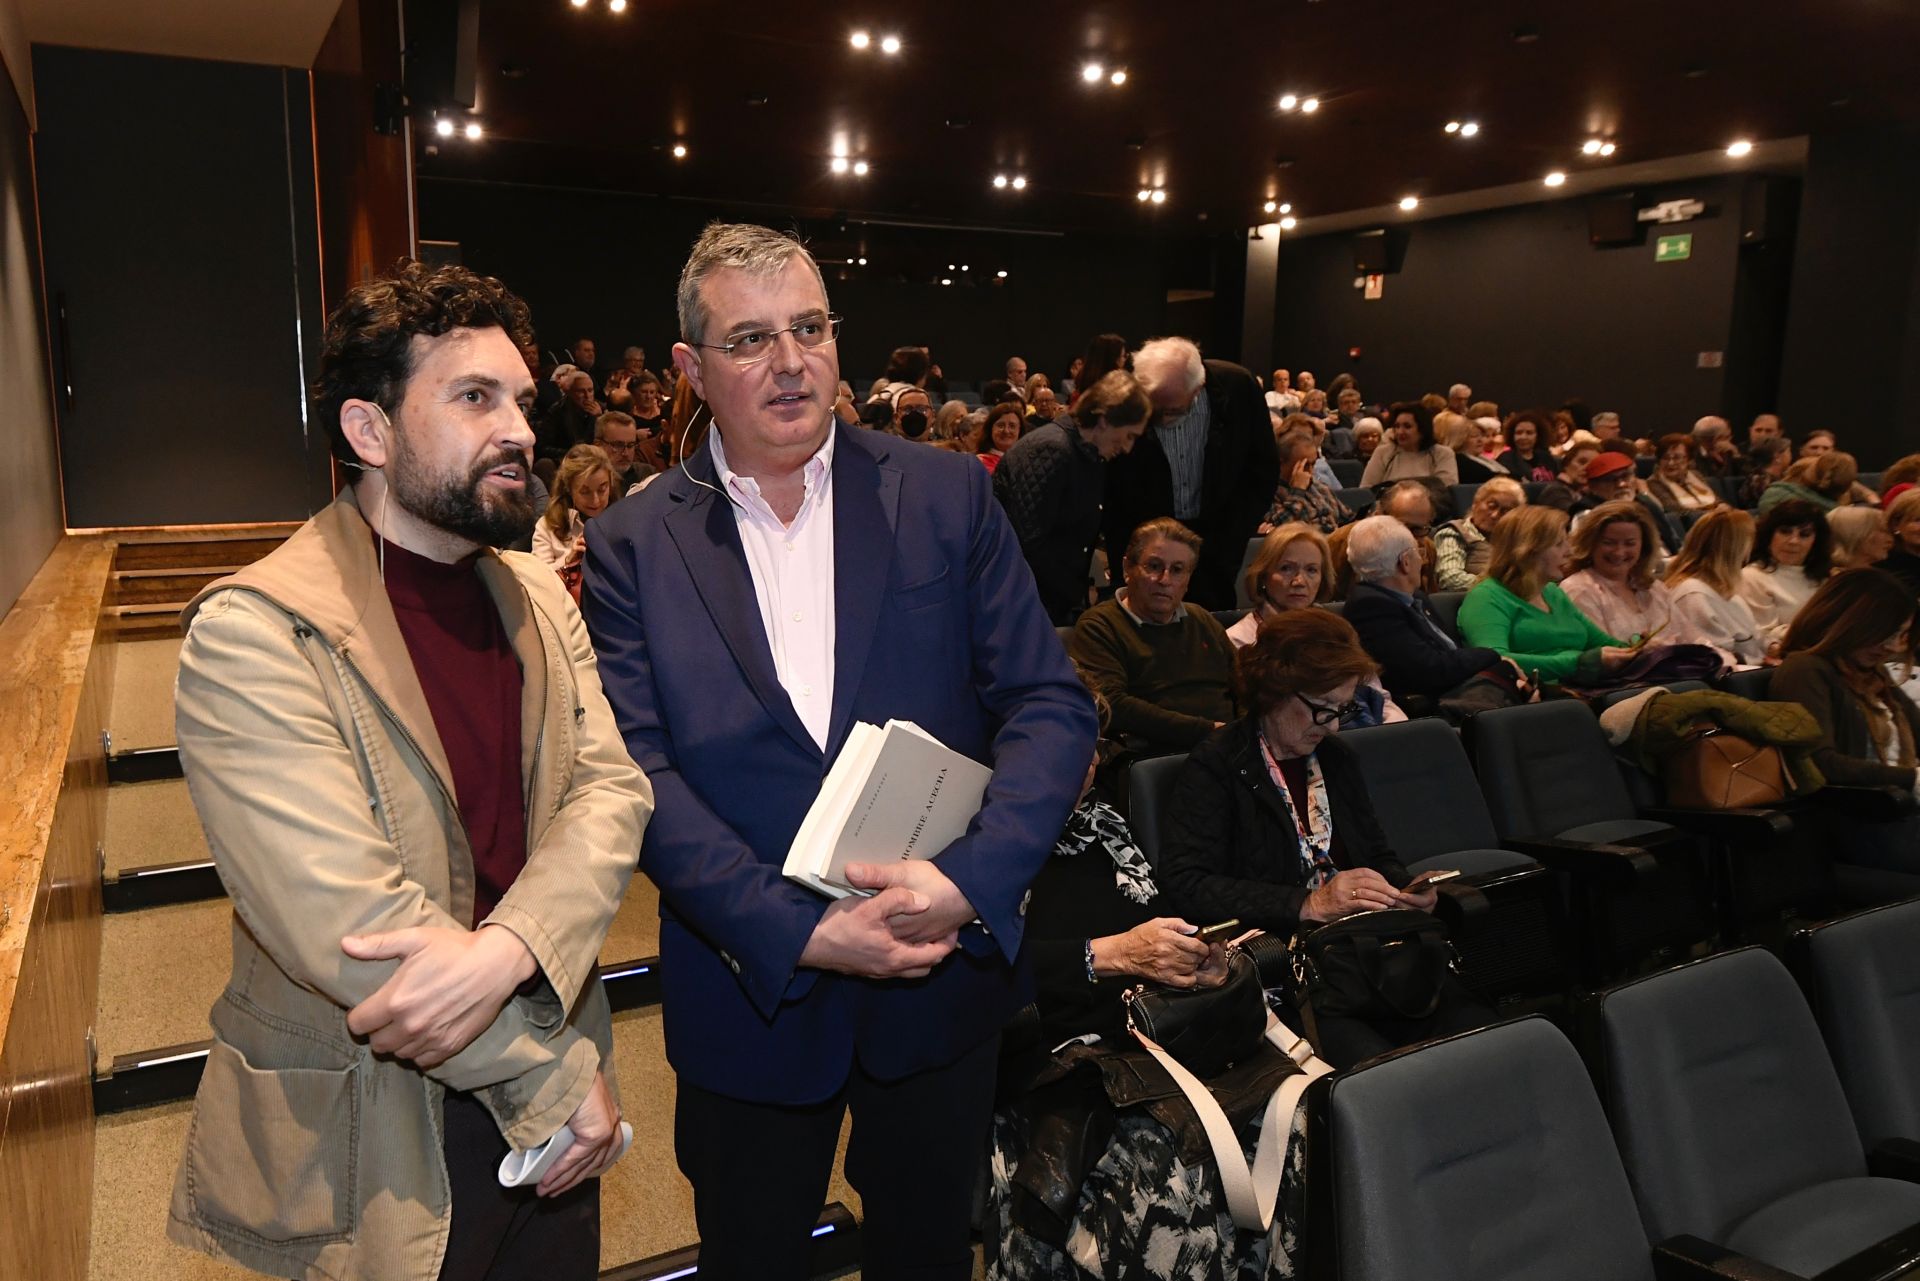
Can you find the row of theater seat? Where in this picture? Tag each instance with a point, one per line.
(1743, 1143)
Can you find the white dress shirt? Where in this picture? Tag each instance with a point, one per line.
(1775, 596)
(1702, 616)
(792, 568)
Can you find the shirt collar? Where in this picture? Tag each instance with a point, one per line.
(1120, 599)
(744, 491)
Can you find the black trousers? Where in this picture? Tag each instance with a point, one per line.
(511, 1234)
(759, 1173)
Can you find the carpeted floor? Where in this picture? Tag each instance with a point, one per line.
(142, 711)
(150, 823)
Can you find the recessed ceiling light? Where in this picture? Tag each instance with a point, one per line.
(579, 4)
(1310, 105)
(617, 6)
(1160, 196)
(1000, 181)
(1019, 183)
(1739, 148)
(474, 131)
(860, 39)
(946, 280)
(890, 44)
(1453, 126)
(1143, 195)
(1117, 78)
(1606, 148)
(1001, 274)
(1288, 102)
(1470, 128)
(1288, 224)
(1092, 73)
(679, 151)
(443, 127)
(1591, 147)
(1272, 206)
(863, 262)
(841, 164)
(1409, 203)
(859, 168)
(1555, 179)
(951, 267)
(965, 267)
(1285, 208)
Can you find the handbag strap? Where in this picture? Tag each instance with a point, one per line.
(1251, 1192)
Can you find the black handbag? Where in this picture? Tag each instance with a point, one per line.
(1372, 965)
(1207, 1029)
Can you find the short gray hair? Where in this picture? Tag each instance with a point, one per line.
(1710, 426)
(1462, 388)
(1606, 416)
(743, 246)
(1163, 362)
(1375, 546)
(1404, 489)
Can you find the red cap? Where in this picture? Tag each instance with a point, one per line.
(1893, 492)
(1607, 464)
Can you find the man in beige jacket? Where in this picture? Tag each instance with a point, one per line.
(417, 798)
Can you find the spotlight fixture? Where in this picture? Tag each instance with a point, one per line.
(679, 151)
(859, 39)
(443, 127)
(1288, 102)
(1001, 274)
(1606, 148)
(951, 267)
(859, 168)
(1143, 195)
(1092, 73)
(1272, 206)
(1288, 224)
(1019, 182)
(1310, 105)
(1000, 182)
(1409, 203)
(1159, 196)
(964, 267)
(1469, 128)
(579, 4)
(841, 164)
(1118, 78)
(1740, 148)
(474, 131)
(617, 6)
(1453, 126)
(946, 280)
(889, 45)
(1591, 147)
(1555, 179)
(1285, 208)
(863, 262)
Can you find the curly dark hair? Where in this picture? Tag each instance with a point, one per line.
(368, 354)
(1298, 651)
(1422, 419)
(1795, 513)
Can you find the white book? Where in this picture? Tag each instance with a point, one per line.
(892, 793)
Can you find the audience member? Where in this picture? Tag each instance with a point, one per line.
(1704, 577)
(1052, 482)
(582, 489)
(1270, 822)
(1042, 405)
(1304, 383)
(1560, 431)
(1294, 570)
(618, 438)
(1675, 485)
(1836, 661)
(1905, 471)
(1017, 374)
(1314, 405)
(1070, 385)
(1006, 423)
(1281, 397)
(1792, 555)
(1528, 457)
(1410, 450)
(1859, 537)
(1483, 409)
(1459, 397)
(1616, 554)
(1606, 428)
(1367, 435)
(1764, 427)
(1411, 503)
(1104, 354)
(687, 427)
(970, 436)
(1462, 548)
(1396, 621)
(1519, 610)
(1903, 522)
(649, 414)
(1766, 463)
(1209, 461)
(1819, 441)
(1339, 442)
(912, 413)
(1162, 663)
(546, 392)
(584, 356)
(1463, 436)
(947, 422)
(1301, 495)
(1715, 453)
(1824, 479)
(570, 422)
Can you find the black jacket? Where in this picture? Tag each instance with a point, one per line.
(1230, 850)
(1412, 660)
(1845, 754)
(1052, 484)
(564, 427)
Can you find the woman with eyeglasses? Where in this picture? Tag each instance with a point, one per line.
(1270, 821)
(1294, 570)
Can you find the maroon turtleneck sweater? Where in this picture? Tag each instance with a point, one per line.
(471, 678)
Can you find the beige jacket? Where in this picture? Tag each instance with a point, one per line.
(328, 803)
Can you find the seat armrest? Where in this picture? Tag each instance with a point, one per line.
(1874, 804)
(1735, 826)
(1618, 864)
(1897, 1256)
(1685, 1258)
(1465, 908)
(1895, 1159)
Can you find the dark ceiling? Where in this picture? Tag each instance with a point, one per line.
(758, 92)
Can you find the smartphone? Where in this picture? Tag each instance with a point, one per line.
(1218, 933)
(1426, 879)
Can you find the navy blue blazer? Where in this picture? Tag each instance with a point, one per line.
(938, 623)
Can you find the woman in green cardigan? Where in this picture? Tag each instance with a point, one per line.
(1519, 611)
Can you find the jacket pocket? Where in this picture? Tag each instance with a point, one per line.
(272, 1154)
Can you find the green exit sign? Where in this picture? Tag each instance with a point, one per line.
(1672, 248)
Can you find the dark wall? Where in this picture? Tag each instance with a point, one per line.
(1519, 305)
(180, 251)
(608, 264)
(1852, 358)
(30, 519)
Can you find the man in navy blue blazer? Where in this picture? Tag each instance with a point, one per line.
(795, 577)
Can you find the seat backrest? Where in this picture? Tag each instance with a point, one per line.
(1866, 985)
(1422, 788)
(1228, 617)
(1481, 1158)
(1360, 500)
(1240, 596)
(1335, 607)
(1545, 768)
(1149, 796)
(1066, 637)
(1447, 606)
(1751, 684)
(1722, 1096)
(1347, 471)
(1463, 498)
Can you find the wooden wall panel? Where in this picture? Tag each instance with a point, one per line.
(363, 176)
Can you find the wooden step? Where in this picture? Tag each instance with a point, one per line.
(151, 586)
(194, 554)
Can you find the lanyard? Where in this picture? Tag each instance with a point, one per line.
(1316, 832)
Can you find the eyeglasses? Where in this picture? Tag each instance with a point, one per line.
(1418, 531)
(1154, 567)
(756, 345)
(1324, 715)
(617, 446)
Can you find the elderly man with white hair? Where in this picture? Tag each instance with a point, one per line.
(1713, 442)
(1209, 462)
(1418, 656)
(1459, 396)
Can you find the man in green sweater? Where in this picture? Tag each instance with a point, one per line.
(1163, 665)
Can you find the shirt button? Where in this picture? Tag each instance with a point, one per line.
(797, 616)
(806, 691)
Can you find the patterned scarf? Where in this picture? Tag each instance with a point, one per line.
(1316, 834)
(1097, 825)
